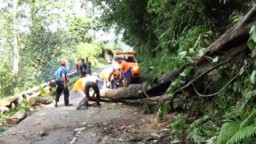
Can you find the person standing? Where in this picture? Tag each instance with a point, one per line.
(83, 68)
(88, 66)
(78, 67)
(83, 85)
(62, 84)
(126, 72)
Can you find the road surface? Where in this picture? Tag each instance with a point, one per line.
(110, 123)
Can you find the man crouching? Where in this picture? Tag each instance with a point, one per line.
(82, 87)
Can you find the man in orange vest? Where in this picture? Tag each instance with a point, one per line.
(126, 72)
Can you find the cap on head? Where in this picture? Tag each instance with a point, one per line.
(63, 63)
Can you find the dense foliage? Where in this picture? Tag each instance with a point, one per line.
(171, 33)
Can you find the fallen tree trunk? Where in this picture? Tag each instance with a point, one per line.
(10, 101)
(3, 109)
(232, 41)
(132, 92)
(160, 85)
(17, 117)
(39, 100)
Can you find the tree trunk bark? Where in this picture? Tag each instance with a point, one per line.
(39, 100)
(132, 92)
(16, 56)
(232, 42)
(8, 101)
(16, 118)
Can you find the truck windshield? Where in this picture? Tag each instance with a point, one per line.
(129, 58)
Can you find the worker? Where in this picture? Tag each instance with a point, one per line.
(110, 77)
(114, 78)
(62, 86)
(83, 68)
(88, 66)
(77, 65)
(125, 73)
(83, 85)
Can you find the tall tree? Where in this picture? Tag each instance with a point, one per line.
(16, 55)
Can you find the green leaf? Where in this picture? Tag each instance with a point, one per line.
(251, 44)
(201, 52)
(215, 60)
(253, 77)
(245, 133)
(183, 54)
(253, 33)
(227, 131)
(42, 91)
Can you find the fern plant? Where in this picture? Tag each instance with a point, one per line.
(248, 96)
(238, 131)
(163, 109)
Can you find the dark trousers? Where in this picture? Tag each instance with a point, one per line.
(94, 86)
(59, 90)
(83, 74)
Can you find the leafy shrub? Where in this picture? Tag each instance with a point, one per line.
(163, 109)
(7, 83)
(179, 123)
(42, 91)
(201, 129)
(192, 43)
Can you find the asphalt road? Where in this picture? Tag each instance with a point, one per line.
(62, 125)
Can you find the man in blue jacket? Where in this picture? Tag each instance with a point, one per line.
(62, 84)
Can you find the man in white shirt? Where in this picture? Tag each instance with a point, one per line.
(83, 85)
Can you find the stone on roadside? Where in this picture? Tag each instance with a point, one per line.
(155, 135)
(4, 109)
(79, 129)
(42, 133)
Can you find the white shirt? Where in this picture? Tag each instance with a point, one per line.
(95, 79)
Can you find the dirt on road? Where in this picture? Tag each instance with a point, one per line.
(111, 123)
